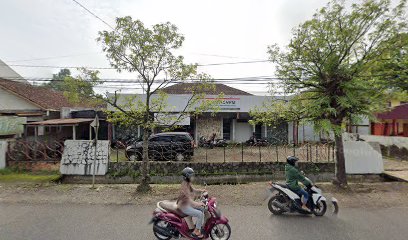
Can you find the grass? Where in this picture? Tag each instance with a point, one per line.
(13, 176)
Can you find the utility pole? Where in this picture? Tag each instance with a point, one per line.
(95, 126)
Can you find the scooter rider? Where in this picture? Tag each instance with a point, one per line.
(293, 176)
(186, 203)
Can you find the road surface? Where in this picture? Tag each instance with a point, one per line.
(120, 222)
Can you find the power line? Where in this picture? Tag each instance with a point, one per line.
(111, 68)
(254, 79)
(93, 14)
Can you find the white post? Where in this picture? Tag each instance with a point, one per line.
(95, 125)
(3, 150)
(233, 130)
(266, 131)
(35, 133)
(196, 131)
(94, 161)
(90, 132)
(73, 132)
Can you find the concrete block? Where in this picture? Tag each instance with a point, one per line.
(3, 151)
(78, 157)
(363, 157)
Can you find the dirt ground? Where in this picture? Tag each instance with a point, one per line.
(365, 195)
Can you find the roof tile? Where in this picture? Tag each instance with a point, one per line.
(44, 97)
(184, 88)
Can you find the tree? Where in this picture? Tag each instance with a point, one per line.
(391, 70)
(79, 89)
(276, 110)
(148, 53)
(328, 64)
(57, 82)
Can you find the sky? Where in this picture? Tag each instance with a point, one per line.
(61, 33)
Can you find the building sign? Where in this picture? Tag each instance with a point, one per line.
(11, 125)
(228, 103)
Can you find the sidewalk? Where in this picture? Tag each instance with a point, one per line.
(360, 195)
(396, 169)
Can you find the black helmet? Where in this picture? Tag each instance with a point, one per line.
(292, 160)
(187, 173)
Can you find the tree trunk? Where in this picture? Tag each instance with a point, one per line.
(145, 180)
(340, 172)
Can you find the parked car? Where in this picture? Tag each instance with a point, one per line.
(176, 146)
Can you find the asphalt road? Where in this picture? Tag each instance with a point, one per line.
(99, 222)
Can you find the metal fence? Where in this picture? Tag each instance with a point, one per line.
(238, 152)
(34, 151)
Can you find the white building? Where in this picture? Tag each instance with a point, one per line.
(231, 121)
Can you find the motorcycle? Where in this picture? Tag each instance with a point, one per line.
(220, 143)
(285, 200)
(169, 222)
(203, 142)
(253, 141)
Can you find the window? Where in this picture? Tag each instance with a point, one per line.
(182, 138)
(226, 128)
(164, 139)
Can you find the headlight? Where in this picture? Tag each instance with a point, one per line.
(215, 205)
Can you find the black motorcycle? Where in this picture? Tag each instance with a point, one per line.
(203, 142)
(253, 141)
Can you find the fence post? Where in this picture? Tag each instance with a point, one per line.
(317, 154)
(224, 153)
(242, 152)
(328, 153)
(307, 152)
(333, 153)
(277, 153)
(260, 155)
(294, 149)
(206, 154)
(117, 154)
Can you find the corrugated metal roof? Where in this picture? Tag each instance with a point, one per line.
(60, 122)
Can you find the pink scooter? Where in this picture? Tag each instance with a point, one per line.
(169, 222)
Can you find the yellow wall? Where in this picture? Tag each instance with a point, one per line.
(395, 102)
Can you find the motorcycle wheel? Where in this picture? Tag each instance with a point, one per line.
(273, 209)
(220, 231)
(133, 157)
(320, 208)
(159, 236)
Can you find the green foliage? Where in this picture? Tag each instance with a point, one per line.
(342, 64)
(79, 89)
(57, 82)
(329, 62)
(149, 54)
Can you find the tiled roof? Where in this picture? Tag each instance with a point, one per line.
(184, 88)
(43, 97)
